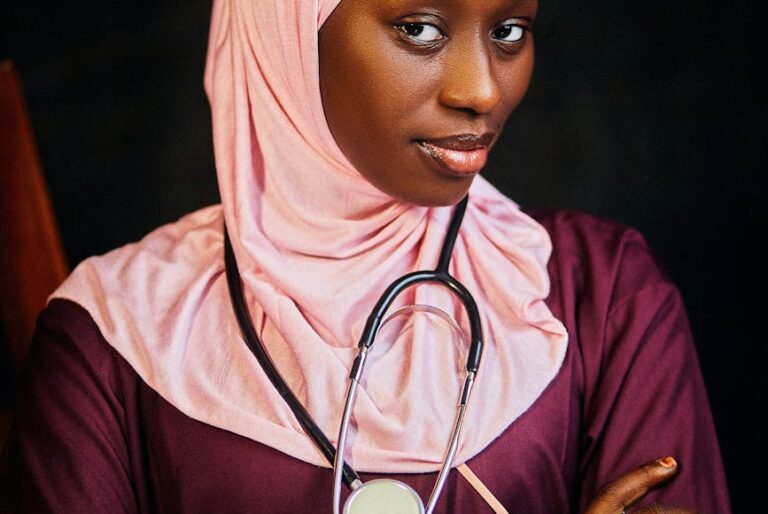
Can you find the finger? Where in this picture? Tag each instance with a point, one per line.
(615, 496)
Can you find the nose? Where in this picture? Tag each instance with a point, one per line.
(469, 83)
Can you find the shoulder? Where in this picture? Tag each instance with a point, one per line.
(609, 290)
(160, 262)
(67, 340)
(600, 256)
(135, 293)
(590, 237)
(71, 370)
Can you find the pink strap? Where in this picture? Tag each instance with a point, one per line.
(479, 486)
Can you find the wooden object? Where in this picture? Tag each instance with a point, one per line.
(32, 261)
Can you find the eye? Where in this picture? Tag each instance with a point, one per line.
(509, 33)
(421, 32)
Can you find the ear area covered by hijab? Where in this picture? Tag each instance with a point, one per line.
(316, 245)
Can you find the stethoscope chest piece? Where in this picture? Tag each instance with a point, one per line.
(384, 496)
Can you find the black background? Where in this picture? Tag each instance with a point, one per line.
(649, 113)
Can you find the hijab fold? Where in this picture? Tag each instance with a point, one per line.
(316, 245)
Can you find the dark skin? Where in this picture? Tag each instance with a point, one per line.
(397, 73)
(421, 70)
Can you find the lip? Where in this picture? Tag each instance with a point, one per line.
(462, 155)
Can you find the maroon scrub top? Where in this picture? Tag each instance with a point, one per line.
(90, 436)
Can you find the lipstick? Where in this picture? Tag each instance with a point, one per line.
(460, 156)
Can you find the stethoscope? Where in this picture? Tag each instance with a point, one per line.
(380, 495)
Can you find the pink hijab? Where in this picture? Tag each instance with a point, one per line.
(316, 245)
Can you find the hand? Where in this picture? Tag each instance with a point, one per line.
(619, 495)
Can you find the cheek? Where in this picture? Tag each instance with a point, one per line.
(516, 77)
(394, 89)
(381, 94)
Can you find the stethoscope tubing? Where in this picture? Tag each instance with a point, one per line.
(417, 277)
(342, 471)
(257, 348)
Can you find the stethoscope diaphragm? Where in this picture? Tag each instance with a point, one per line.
(383, 496)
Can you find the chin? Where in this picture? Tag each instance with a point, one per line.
(438, 196)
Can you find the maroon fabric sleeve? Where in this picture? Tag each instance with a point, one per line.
(651, 402)
(643, 396)
(68, 451)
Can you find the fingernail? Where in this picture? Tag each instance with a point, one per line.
(667, 462)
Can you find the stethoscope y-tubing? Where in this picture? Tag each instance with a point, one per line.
(440, 276)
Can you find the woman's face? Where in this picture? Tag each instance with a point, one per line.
(416, 91)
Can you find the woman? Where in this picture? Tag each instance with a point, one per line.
(344, 134)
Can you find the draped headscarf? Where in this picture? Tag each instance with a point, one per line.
(316, 245)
